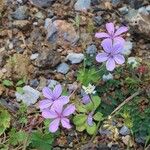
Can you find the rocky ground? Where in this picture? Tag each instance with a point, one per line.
(46, 41)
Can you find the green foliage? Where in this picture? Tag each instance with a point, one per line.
(4, 120)
(86, 76)
(80, 119)
(7, 83)
(76, 21)
(132, 82)
(42, 141)
(17, 137)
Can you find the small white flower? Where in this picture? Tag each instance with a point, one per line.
(107, 77)
(90, 89)
(133, 61)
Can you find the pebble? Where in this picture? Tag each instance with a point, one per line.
(52, 83)
(124, 131)
(34, 56)
(82, 5)
(39, 15)
(107, 77)
(63, 68)
(21, 13)
(143, 10)
(98, 20)
(29, 97)
(127, 48)
(140, 140)
(123, 10)
(34, 83)
(91, 49)
(75, 58)
(116, 2)
(148, 8)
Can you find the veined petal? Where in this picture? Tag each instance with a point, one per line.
(101, 57)
(121, 30)
(102, 35)
(117, 48)
(49, 114)
(57, 91)
(110, 64)
(110, 28)
(63, 99)
(70, 109)
(119, 40)
(65, 123)
(53, 127)
(57, 107)
(45, 104)
(107, 45)
(90, 119)
(119, 59)
(47, 93)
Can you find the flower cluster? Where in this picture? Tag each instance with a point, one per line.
(112, 45)
(52, 107)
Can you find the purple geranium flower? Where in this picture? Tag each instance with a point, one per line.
(90, 119)
(86, 99)
(112, 54)
(53, 97)
(59, 116)
(116, 36)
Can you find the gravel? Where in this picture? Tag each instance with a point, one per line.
(75, 58)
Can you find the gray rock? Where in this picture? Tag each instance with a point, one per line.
(34, 83)
(95, 2)
(131, 14)
(21, 13)
(43, 3)
(39, 15)
(34, 56)
(75, 58)
(124, 131)
(98, 20)
(82, 5)
(91, 49)
(140, 140)
(123, 10)
(143, 10)
(127, 48)
(116, 2)
(29, 97)
(63, 68)
(52, 83)
(104, 132)
(148, 8)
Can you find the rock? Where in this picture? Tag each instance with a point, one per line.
(39, 15)
(29, 97)
(63, 68)
(82, 5)
(123, 10)
(2, 57)
(34, 83)
(124, 131)
(143, 10)
(60, 31)
(34, 56)
(21, 24)
(148, 8)
(107, 77)
(127, 48)
(91, 49)
(75, 58)
(21, 13)
(98, 20)
(140, 140)
(47, 58)
(127, 140)
(104, 132)
(52, 83)
(116, 2)
(95, 2)
(42, 83)
(42, 3)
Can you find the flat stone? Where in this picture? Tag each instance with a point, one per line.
(34, 56)
(29, 97)
(63, 68)
(91, 49)
(75, 58)
(124, 131)
(123, 10)
(127, 48)
(52, 83)
(82, 5)
(34, 83)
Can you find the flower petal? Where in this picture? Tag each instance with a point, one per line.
(57, 107)
(107, 45)
(86, 99)
(70, 109)
(119, 59)
(121, 30)
(117, 48)
(110, 28)
(63, 99)
(49, 114)
(45, 104)
(53, 127)
(47, 92)
(57, 91)
(110, 64)
(101, 35)
(101, 57)
(90, 119)
(119, 40)
(65, 123)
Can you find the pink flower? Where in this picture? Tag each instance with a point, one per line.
(116, 36)
(112, 54)
(59, 116)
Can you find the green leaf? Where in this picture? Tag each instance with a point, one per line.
(81, 108)
(42, 141)
(91, 129)
(79, 119)
(4, 120)
(89, 107)
(7, 83)
(81, 127)
(20, 82)
(98, 116)
(20, 90)
(96, 100)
